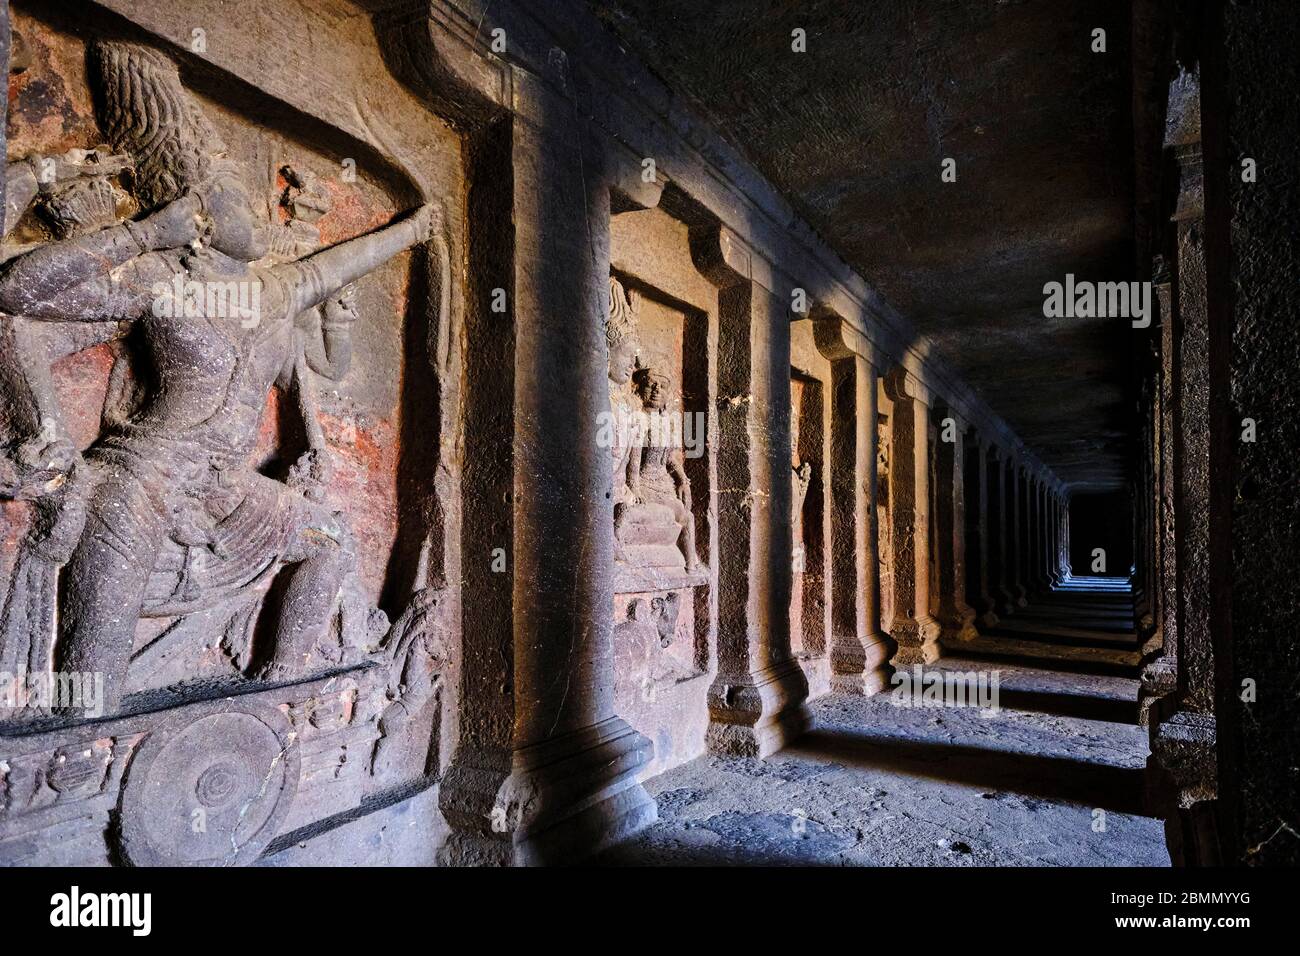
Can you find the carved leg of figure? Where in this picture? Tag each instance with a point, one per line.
(308, 604)
(105, 580)
(686, 541)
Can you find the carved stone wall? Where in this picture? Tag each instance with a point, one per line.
(230, 467)
(354, 545)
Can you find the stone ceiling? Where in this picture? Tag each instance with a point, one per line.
(854, 132)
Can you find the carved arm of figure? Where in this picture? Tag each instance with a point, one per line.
(102, 276)
(24, 178)
(325, 335)
(319, 276)
(632, 475)
(328, 343)
(634, 463)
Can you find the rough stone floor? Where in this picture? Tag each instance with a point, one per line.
(1052, 778)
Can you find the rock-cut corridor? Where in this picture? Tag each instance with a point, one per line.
(514, 433)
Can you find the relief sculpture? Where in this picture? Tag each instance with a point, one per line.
(163, 516)
(653, 523)
(154, 244)
(655, 519)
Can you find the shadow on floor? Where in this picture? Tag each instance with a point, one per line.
(1046, 776)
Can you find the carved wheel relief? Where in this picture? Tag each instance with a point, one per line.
(211, 789)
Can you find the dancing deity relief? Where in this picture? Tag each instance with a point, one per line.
(165, 515)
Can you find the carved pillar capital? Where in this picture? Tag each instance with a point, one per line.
(837, 339)
(628, 186)
(901, 385)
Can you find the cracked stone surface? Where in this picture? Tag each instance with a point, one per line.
(875, 784)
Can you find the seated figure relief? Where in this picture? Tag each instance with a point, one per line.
(621, 338)
(653, 523)
(165, 516)
(654, 520)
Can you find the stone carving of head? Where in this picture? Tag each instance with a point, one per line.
(147, 113)
(621, 332)
(653, 386)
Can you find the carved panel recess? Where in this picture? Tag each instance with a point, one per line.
(810, 425)
(224, 616)
(662, 338)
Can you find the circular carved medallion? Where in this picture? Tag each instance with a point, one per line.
(209, 787)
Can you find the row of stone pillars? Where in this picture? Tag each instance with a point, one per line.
(544, 769)
(1021, 534)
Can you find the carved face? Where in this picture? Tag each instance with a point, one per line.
(653, 389)
(236, 231)
(622, 361)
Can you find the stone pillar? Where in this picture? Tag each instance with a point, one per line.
(995, 474)
(1053, 564)
(1160, 673)
(1019, 582)
(1050, 570)
(1003, 509)
(956, 617)
(1192, 440)
(1049, 523)
(1183, 744)
(914, 628)
(1027, 532)
(984, 543)
(860, 651)
(1060, 529)
(1033, 551)
(1042, 543)
(756, 702)
(573, 785)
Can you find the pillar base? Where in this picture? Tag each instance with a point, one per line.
(986, 613)
(1182, 786)
(1184, 752)
(1192, 835)
(1007, 603)
(759, 714)
(918, 641)
(860, 665)
(958, 625)
(574, 795)
(466, 797)
(1158, 681)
